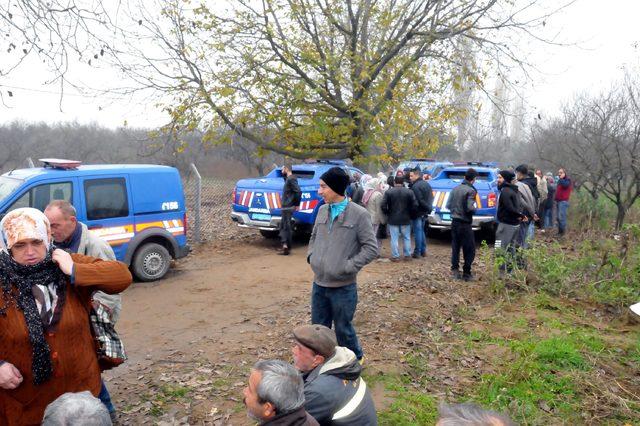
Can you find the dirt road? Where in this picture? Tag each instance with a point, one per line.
(193, 336)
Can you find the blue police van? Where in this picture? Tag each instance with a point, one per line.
(256, 202)
(138, 209)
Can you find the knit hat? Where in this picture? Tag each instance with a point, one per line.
(22, 224)
(508, 175)
(336, 179)
(319, 338)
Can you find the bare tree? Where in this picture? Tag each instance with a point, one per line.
(598, 140)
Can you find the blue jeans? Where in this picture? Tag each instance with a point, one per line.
(106, 398)
(531, 231)
(337, 305)
(563, 206)
(417, 227)
(548, 218)
(396, 231)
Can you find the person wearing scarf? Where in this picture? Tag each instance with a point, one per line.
(46, 345)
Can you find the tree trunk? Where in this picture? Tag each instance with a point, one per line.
(622, 211)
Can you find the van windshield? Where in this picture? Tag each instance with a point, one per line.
(8, 185)
(459, 175)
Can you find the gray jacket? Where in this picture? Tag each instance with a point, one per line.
(374, 207)
(93, 246)
(336, 253)
(335, 394)
(462, 201)
(526, 198)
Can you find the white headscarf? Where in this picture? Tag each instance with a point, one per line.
(22, 224)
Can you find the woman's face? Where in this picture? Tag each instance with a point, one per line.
(28, 251)
(561, 173)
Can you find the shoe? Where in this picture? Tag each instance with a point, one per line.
(467, 277)
(395, 259)
(284, 251)
(361, 360)
(407, 258)
(423, 254)
(455, 274)
(114, 417)
(415, 255)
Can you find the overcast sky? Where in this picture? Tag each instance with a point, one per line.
(605, 33)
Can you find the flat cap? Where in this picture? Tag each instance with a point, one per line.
(319, 338)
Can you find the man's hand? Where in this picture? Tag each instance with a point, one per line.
(10, 377)
(63, 260)
(535, 217)
(525, 219)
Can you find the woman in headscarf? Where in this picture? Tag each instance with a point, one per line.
(372, 201)
(46, 345)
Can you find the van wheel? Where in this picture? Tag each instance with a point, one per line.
(269, 234)
(151, 262)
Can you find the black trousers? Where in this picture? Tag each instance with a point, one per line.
(462, 237)
(286, 231)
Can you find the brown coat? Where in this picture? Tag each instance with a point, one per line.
(74, 360)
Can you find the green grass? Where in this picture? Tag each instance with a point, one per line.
(410, 406)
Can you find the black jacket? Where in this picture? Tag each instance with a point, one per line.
(551, 195)
(424, 196)
(356, 192)
(296, 418)
(509, 206)
(532, 183)
(462, 202)
(291, 192)
(399, 204)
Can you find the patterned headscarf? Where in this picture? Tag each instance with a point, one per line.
(36, 290)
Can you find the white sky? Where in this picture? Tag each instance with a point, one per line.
(604, 32)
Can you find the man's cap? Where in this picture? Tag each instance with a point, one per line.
(318, 338)
(336, 179)
(508, 175)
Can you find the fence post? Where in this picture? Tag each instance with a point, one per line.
(198, 204)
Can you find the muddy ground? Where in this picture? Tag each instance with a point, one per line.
(193, 336)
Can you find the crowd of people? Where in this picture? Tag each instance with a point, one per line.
(61, 285)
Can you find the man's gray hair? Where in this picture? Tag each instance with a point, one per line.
(76, 408)
(281, 385)
(64, 206)
(470, 415)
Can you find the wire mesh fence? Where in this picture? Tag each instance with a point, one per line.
(208, 202)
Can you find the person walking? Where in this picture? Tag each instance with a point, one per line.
(424, 196)
(462, 204)
(399, 204)
(563, 193)
(509, 215)
(342, 242)
(290, 201)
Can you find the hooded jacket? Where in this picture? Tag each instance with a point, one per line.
(509, 205)
(526, 198)
(335, 394)
(298, 417)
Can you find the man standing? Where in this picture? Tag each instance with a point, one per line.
(424, 196)
(275, 395)
(73, 236)
(334, 392)
(290, 201)
(528, 203)
(563, 193)
(543, 191)
(399, 205)
(462, 204)
(509, 216)
(342, 242)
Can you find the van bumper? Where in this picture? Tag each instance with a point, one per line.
(479, 222)
(183, 251)
(244, 221)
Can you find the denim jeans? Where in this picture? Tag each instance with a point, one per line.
(531, 231)
(106, 398)
(563, 206)
(396, 231)
(417, 228)
(548, 218)
(337, 306)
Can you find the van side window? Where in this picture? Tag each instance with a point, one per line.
(39, 196)
(106, 198)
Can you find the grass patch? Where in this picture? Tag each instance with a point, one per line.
(410, 407)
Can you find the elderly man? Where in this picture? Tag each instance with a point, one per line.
(275, 395)
(73, 236)
(76, 408)
(341, 243)
(334, 392)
